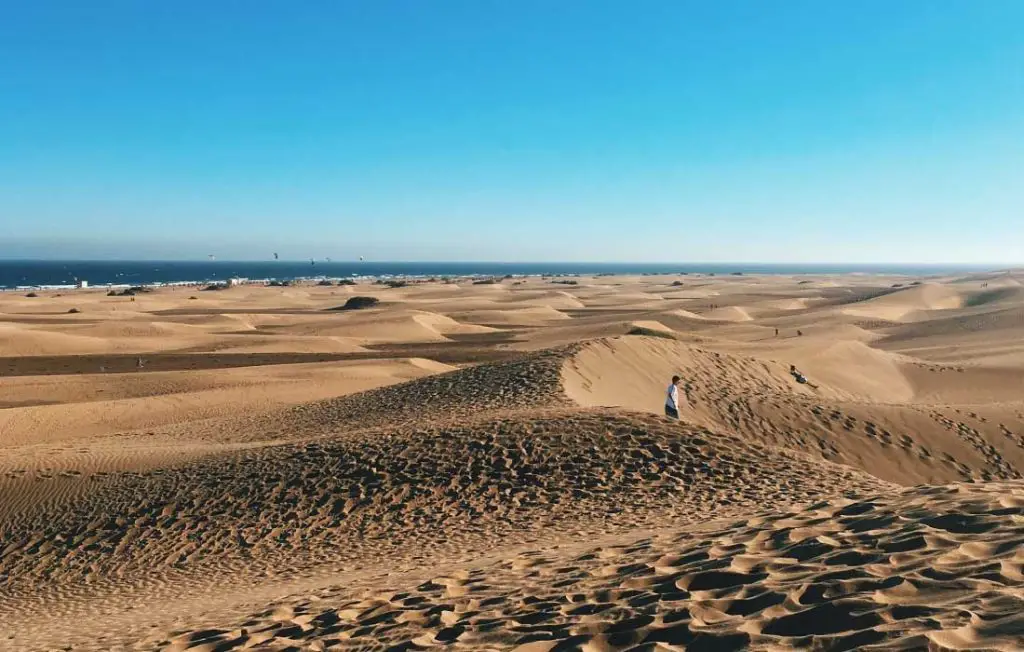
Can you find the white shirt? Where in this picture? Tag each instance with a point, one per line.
(672, 398)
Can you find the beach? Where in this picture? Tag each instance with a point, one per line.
(485, 464)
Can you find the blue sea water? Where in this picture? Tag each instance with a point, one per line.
(44, 273)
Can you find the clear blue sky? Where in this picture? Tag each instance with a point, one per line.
(788, 131)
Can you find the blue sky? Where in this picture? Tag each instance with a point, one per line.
(789, 131)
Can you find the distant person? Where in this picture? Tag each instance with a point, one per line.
(672, 398)
(776, 332)
(799, 333)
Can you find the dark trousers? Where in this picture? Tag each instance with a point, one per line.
(671, 412)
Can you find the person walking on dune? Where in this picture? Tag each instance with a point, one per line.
(672, 398)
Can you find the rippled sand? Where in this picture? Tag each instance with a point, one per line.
(486, 467)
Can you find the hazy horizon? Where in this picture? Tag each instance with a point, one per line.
(47, 253)
(996, 265)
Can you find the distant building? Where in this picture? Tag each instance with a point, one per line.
(82, 284)
(236, 281)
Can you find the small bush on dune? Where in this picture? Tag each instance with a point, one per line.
(676, 283)
(214, 287)
(358, 303)
(347, 281)
(486, 281)
(31, 295)
(325, 283)
(396, 284)
(74, 311)
(279, 284)
(650, 332)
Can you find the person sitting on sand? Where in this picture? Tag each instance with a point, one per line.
(672, 398)
(795, 373)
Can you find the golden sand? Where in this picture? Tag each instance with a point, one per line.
(486, 467)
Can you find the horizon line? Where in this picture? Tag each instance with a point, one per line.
(513, 262)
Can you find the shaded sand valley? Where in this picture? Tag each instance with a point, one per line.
(470, 466)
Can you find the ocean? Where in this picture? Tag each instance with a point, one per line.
(50, 273)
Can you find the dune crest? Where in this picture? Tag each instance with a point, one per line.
(905, 303)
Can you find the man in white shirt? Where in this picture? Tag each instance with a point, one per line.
(672, 398)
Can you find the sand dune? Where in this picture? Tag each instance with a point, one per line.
(24, 340)
(729, 313)
(899, 570)
(686, 314)
(620, 299)
(558, 300)
(134, 329)
(287, 344)
(49, 410)
(786, 304)
(531, 316)
(855, 421)
(650, 325)
(277, 476)
(859, 371)
(350, 491)
(906, 303)
(371, 327)
(633, 372)
(1008, 295)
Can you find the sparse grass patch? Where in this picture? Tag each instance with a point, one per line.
(651, 332)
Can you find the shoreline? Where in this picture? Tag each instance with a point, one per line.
(65, 275)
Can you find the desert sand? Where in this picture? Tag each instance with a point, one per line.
(487, 466)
